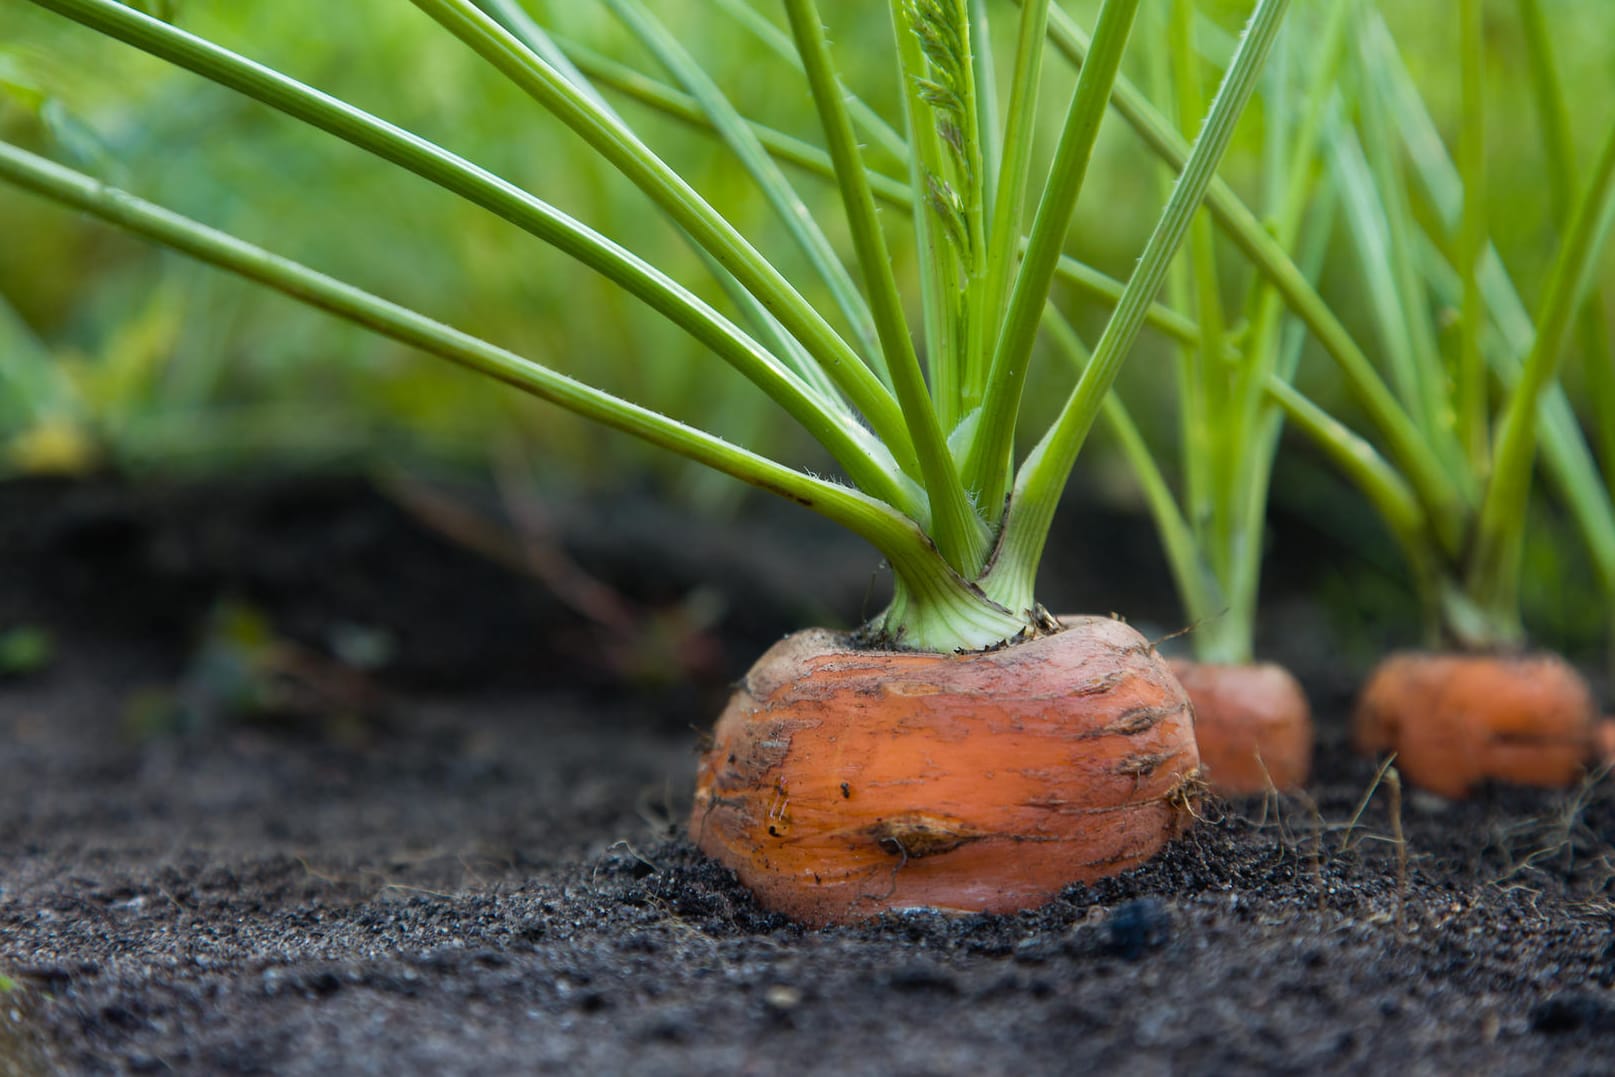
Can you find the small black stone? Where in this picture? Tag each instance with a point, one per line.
(1140, 925)
(923, 978)
(1573, 1011)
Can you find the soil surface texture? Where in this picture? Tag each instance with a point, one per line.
(301, 786)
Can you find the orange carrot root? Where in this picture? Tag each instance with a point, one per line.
(1252, 724)
(1458, 720)
(842, 783)
(1604, 755)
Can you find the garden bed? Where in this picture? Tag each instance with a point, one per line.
(475, 861)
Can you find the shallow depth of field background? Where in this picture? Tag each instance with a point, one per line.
(118, 357)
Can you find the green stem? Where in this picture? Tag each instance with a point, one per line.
(1568, 460)
(1570, 464)
(866, 462)
(938, 67)
(937, 227)
(1108, 291)
(1553, 121)
(1014, 176)
(958, 531)
(1275, 339)
(1189, 571)
(1407, 326)
(1047, 468)
(665, 187)
(1448, 503)
(1188, 383)
(514, 18)
(985, 74)
(1276, 347)
(1367, 221)
(1472, 242)
(793, 213)
(1205, 405)
(1392, 497)
(1552, 107)
(886, 189)
(970, 173)
(987, 465)
(73, 189)
(1493, 579)
(1598, 362)
(681, 106)
(947, 613)
(869, 122)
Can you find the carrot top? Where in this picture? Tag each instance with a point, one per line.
(922, 419)
(1459, 421)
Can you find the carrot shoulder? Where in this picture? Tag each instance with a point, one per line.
(842, 783)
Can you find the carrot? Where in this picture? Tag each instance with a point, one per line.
(842, 783)
(1456, 720)
(1604, 754)
(1252, 724)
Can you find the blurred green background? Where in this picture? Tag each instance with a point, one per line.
(115, 356)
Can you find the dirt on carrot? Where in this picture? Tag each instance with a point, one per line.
(843, 783)
(1252, 723)
(1458, 720)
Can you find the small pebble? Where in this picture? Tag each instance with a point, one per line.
(1140, 925)
(782, 997)
(1573, 1011)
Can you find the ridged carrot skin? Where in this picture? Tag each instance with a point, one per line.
(1252, 723)
(1458, 720)
(842, 783)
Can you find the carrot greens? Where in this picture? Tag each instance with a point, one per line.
(1458, 421)
(921, 416)
(1483, 436)
(1232, 375)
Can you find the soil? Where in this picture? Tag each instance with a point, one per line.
(430, 830)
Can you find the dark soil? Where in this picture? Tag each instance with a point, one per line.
(470, 860)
